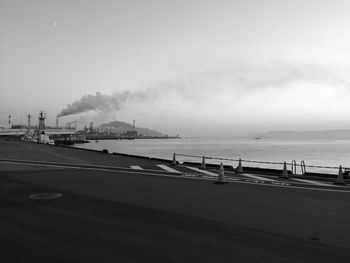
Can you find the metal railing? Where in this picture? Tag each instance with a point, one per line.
(293, 165)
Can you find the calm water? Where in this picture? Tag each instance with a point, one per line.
(313, 152)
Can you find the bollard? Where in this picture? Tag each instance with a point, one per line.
(203, 163)
(285, 172)
(340, 178)
(174, 160)
(221, 179)
(239, 168)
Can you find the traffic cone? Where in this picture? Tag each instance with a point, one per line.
(203, 163)
(221, 179)
(340, 178)
(285, 172)
(239, 168)
(174, 160)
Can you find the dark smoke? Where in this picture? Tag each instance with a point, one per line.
(95, 102)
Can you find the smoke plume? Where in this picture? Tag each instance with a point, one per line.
(95, 102)
(231, 84)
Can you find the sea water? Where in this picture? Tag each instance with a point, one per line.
(330, 153)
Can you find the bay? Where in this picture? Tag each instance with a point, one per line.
(329, 153)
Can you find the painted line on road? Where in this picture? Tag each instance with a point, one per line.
(313, 182)
(70, 165)
(136, 167)
(247, 181)
(146, 172)
(167, 168)
(258, 177)
(201, 171)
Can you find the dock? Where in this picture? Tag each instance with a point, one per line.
(62, 204)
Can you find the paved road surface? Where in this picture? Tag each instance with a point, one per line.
(129, 215)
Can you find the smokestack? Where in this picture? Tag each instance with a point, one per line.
(56, 122)
(29, 116)
(42, 117)
(91, 126)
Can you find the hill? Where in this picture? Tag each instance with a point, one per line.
(122, 127)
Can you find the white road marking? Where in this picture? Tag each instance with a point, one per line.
(259, 177)
(177, 176)
(201, 171)
(136, 167)
(167, 168)
(71, 165)
(312, 182)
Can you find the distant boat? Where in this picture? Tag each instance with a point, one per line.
(257, 138)
(96, 141)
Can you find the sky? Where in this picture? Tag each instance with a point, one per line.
(195, 68)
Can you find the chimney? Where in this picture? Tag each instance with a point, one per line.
(29, 116)
(42, 117)
(56, 122)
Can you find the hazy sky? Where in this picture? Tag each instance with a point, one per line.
(191, 67)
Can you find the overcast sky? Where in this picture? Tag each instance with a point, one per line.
(206, 67)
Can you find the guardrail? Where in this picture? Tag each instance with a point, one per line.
(293, 164)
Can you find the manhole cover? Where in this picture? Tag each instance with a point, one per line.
(45, 195)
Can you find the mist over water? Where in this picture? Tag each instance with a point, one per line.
(313, 152)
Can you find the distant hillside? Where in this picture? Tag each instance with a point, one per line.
(326, 134)
(123, 127)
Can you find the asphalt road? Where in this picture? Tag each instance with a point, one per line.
(117, 216)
